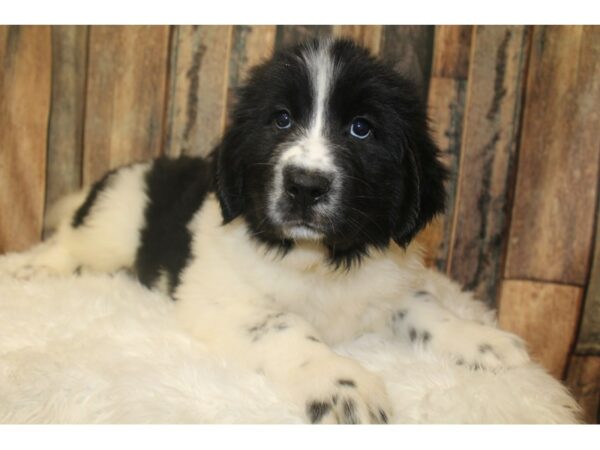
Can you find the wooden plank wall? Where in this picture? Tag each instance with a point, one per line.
(513, 108)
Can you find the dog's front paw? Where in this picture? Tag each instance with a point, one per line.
(479, 346)
(339, 390)
(44, 260)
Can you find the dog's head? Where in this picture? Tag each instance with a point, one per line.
(326, 143)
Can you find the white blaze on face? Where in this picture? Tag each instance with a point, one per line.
(311, 150)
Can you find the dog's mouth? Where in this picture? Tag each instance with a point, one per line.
(302, 230)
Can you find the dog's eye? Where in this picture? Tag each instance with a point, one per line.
(360, 128)
(283, 120)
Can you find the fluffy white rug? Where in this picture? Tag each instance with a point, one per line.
(103, 349)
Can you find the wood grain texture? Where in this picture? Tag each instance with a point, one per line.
(368, 36)
(409, 48)
(545, 315)
(65, 129)
(125, 96)
(583, 380)
(25, 71)
(446, 106)
(197, 89)
(487, 157)
(288, 35)
(553, 213)
(250, 46)
(452, 48)
(588, 341)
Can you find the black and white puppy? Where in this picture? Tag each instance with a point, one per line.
(295, 234)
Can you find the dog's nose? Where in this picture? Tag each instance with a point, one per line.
(304, 186)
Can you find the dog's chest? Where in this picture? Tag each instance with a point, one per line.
(227, 267)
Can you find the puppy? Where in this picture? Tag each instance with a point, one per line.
(295, 234)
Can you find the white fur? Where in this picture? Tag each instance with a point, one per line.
(103, 349)
(279, 315)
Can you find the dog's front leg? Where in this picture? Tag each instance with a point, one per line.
(329, 388)
(430, 317)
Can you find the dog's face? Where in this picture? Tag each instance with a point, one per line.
(328, 144)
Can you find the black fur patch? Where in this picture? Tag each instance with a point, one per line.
(316, 411)
(349, 383)
(84, 210)
(176, 189)
(383, 416)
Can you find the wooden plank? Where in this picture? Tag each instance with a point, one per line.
(583, 380)
(197, 88)
(409, 48)
(25, 58)
(251, 45)
(65, 129)
(553, 213)
(288, 35)
(451, 51)
(545, 315)
(368, 36)
(446, 104)
(588, 342)
(487, 158)
(125, 96)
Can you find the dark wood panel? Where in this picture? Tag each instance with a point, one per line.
(583, 381)
(588, 342)
(545, 315)
(553, 214)
(451, 51)
(446, 103)
(65, 130)
(197, 89)
(288, 35)
(125, 96)
(251, 45)
(25, 71)
(409, 48)
(487, 158)
(368, 36)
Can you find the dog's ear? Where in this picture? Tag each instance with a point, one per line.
(229, 183)
(423, 194)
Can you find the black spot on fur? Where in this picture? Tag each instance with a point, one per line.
(316, 411)
(421, 293)
(349, 383)
(426, 337)
(312, 338)
(176, 189)
(412, 334)
(84, 210)
(484, 348)
(349, 409)
(270, 323)
(383, 416)
(399, 315)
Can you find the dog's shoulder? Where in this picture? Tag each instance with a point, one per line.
(176, 188)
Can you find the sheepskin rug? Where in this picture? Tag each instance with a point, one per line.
(103, 349)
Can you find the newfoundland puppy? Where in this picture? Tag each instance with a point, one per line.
(295, 234)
